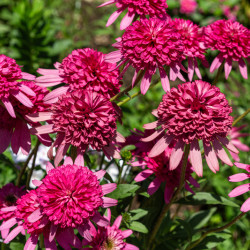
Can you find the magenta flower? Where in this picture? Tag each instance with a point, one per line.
(82, 69)
(10, 73)
(242, 188)
(15, 130)
(234, 136)
(153, 8)
(147, 45)
(109, 237)
(192, 39)
(192, 112)
(188, 6)
(232, 40)
(81, 119)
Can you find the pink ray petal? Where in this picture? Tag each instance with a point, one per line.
(228, 144)
(79, 161)
(49, 245)
(190, 68)
(195, 157)
(243, 68)
(134, 77)
(239, 190)
(113, 57)
(100, 220)
(160, 146)
(143, 175)
(145, 82)
(13, 234)
(117, 221)
(130, 247)
(99, 174)
(196, 68)
(39, 117)
(37, 183)
(52, 232)
(168, 192)
(154, 186)
(111, 151)
(228, 66)
(9, 107)
(221, 153)
(107, 3)
(114, 16)
(108, 202)
(211, 157)
(31, 242)
(5, 137)
(45, 129)
(216, 63)
(173, 73)
(126, 233)
(28, 76)
(127, 20)
(49, 79)
(153, 136)
(54, 72)
(155, 113)
(35, 216)
(8, 224)
(164, 80)
(138, 164)
(68, 161)
(240, 145)
(4, 233)
(245, 206)
(8, 209)
(27, 90)
(238, 177)
(176, 155)
(108, 214)
(108, 188)
(61, 151)
(23, 99)
(242, 166)
(52, 97)
(49, 167)
(151, 125)
(120, 138)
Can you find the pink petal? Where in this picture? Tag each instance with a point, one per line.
(243, 68)
(113, 57)
(107, 3)
(228, 66)
(239, 190)
(153, 136)
(8, 224)
(193, 182)
(114, 16)
(45, 129)
(23, 99)
(120, 138)
(195, 157)
(49, 245)
(211, 158)
(111, 151)
(234, 156)
(190, 68)
(155, 113)
(108, 214)
(154, 186)
(39, 117)
(117, 221)
(5, 137)
(61, 151)
(31, 242)
(151, 125)
(54, 72)
(145, 83)
(176, 155)
(4, 233)
(164, 80)
(52, 97)
(49, 80)
(79, 161)
(9, 107)
(37, 183)
(108, 202)
(228, 144)
(173, 73)
(216, 63)
(13, 234)
(168, 193)
(196, 68)
(28, 76)
(238, 177)
(143, 175)
(35, 216)
(245, 206)
(127, 20)
(221, 153)
(8, 209)
(161, 145)
(49, 167)
(138, 164)
(68, 161)
(27, 90)
(126, 233)
(134, 77)
(99, 174)
(108, 188)
(240, 145)
(100, 220)
(130, 247)
(52, 232)
(242, 165)
(45, 140)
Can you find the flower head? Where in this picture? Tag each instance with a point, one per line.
(188, 6)
(232, 40)
(153, 8)
(82, 69)
(195, 111)
(242, 188)
(10, 72)
(149, 44)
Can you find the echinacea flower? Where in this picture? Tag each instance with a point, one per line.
(10, 73)
(153, 8)
(109, 237)
(242, 188)
(149, 44)
(234, 136)
(188, 6)
(232, 40)
(15, 130)
(82, 69)
(66, 199)
(195, 111)
(192, 39)
(81, 119)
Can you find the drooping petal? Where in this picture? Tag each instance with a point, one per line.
(8, 224)
(145, 83)
(45, 129)
(113, 57)
(37, 183)
(49, 245)
(61, 151)
(228, 67)
(114, 16)
(216, 63)
(79, 161)
(245, 206)
(176, 155)
(28, 76)
(211, 157)
(195, 157)
(27, 90)
(23, 99)
(68, 161)
(99, 174)
(196, 68)
(52, 97)
(108, 188)
(9, 107)
(143, 175)
(154, 186)
(238, 177)
(108, 202)
(13, 234)
(164, 80)
(130, 247)
(127, 20)
(168, 193)
(243, 68)
(239, 190)
(161, 145)
(5, 138)
(190, 68)
(107, 3)
(221, 153)
(153, 136)
(35, 216)
(117, 221)
(39, 117)
(100, 220)
(228, 144)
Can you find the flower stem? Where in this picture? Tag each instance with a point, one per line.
(176, 194)
(214, 230)
(241, 117)
(218, 74)
(102, 161)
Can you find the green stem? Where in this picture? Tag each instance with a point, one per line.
(214, 230)
(241, 117)
(101, 162)
(120, 172)
(218, 74)
(176, 194)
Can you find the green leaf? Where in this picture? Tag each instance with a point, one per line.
(138, 226)
(16, 246)
(206, 198)
(188, 229)
(123, 191)
(139, 213)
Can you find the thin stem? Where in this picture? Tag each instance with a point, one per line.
(218, 74)
(214, 230)
(120, 172)
(33, 164)
(241, 117)
(102, 161)
(176, 194)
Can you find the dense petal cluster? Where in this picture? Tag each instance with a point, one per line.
(188, 6)
(232, 40)
(192, 112)
(242, 188)
(82, 69)
(149, 44)
(109, 237)
(192, 40)
(153, 8)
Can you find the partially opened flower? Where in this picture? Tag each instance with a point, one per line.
(10, 73)
(234, 136)
(232, 40)
(109, 237)
(188, 6)
(15, 130)
(82, 69)
(153, 8)
(195, 111)
(242, 188)
(192, 39)
(149, 44)
(81, 119)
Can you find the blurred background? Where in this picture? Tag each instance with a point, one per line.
(38, 33)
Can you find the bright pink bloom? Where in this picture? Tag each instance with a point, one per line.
(15, 130)
(192, 39)
(195, 111)
(188, 6)
(81, 119)
(232, 40)
(234, 136)
(147, 45)
(153, 8)
(109, 237)
(82, 69)
(10, 72)
(242, 188)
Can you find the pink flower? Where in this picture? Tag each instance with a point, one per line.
(15, 130)
(82, 69)
(109, 237)
(192, 39)
(81, 119)
(188, 6)
(147, 45)
(153, 8)
(195, 111)
(232, 40)
(234, 136)
(10, 73)
(242, 188)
